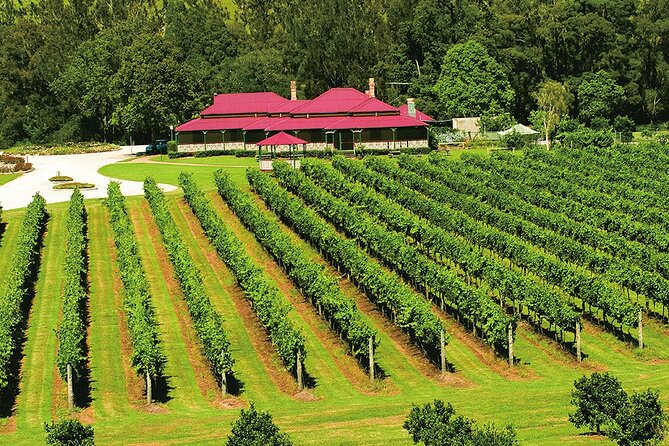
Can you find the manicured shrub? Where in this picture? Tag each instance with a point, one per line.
(69, 433)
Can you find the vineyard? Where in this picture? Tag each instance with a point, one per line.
(337, 295)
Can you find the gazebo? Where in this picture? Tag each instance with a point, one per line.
(281, 139)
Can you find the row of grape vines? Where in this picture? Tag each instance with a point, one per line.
(310, 278)
(592, 292)
(510, 214)
(390, 248)
(15, 292)
(71, 358)
(399, 303)
(634, 168)
(562, 212)
(147, 353)
(518, 289)
(566, 193)
(264, 296)
(611, 190)
(207, 322)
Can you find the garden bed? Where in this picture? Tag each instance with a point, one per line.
(60, 179)
(74, 185)
(63, 149)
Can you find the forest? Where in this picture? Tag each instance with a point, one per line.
(125, 70)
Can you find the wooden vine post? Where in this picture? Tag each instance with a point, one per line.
(149, 390)
(70, 387)
(224, 381)
(577, 331)
(510, 343)
(442, 349)
(641, 329)
(298, 366)
(371, 358)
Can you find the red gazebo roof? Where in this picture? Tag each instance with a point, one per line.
(281, 139)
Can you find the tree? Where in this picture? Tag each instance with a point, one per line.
(69, 433)
(624, 126)
(254, 428)
(598, 96)
(514, 140)
(652, 103)
(472, 83)
(598, 399)
(642, 421)
(552, 99)
(437, 425)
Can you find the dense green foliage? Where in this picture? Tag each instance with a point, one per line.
(438, 281)
(404, 307)
(598, 399)
(264, 296)
(322, 290)
(207, 322)
(635, 420)
(471, 303)
(15, 291)
(69, 433)
(147, 353)
(485, 226)
(71, 71)
(472, 83)
(437, 425)
(256, 428)
(641, 421)
(72, 330)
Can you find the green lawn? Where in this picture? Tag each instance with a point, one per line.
(7, 177)
(344, 410)
(223, 161)
(164, 173)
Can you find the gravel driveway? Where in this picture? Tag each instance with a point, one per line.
(82, 168)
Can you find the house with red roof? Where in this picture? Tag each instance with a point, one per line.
(340, 118)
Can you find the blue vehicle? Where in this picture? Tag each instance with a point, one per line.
(159, 147)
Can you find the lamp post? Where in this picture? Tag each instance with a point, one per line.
(171, 133)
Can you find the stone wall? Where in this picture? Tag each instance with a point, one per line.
(396, 145)
(199, 147)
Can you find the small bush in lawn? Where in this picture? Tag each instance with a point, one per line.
(69, 433)
(74, 186)
(60, 178)
(254, 428)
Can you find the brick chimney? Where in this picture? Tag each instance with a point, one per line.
(293, 90)
(371, 92)
(411, 107)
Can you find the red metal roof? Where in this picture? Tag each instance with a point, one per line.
(404, 111)
(304, 123)
(200, 124)
(244, 103)
(375, 122)
(281, 139)
(335, 100)
(263, 123)
(289, 106)
(373, 105)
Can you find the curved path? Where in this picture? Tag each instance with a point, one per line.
(83, 168)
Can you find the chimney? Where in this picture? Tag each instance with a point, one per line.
(371, 93)
(293, 90)
(411, 107)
